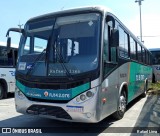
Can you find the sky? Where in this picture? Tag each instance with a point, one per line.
(15, 12)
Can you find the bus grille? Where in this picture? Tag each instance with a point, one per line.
(57, 112)
(49, 101)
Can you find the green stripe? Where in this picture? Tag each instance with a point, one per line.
(138, 74)
(76, 91)
(40, 92)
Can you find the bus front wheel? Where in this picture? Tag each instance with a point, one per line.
(121, 107)
(1, 92)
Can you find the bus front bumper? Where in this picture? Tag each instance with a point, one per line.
(72, 111)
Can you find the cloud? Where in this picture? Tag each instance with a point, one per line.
(150, 29)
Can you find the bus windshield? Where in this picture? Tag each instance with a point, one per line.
(156, 57)
(71, 43)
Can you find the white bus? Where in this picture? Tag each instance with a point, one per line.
(90, 66)
(7, 69)
(155, 63)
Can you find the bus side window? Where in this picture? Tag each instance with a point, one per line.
(123, 43)
(112, 48)
(105, 49)
(113, 54)
(26, 46)
(109, 50)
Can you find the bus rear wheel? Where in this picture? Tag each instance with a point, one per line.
(145, 90)
(122, 106)
(1, 92)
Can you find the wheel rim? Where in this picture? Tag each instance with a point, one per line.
(122, 103)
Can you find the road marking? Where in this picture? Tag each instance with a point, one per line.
(3, 105)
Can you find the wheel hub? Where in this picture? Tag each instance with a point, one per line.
(122, 104)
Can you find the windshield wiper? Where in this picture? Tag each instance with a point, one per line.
(41, 55)
(51, 42)
(63, 65)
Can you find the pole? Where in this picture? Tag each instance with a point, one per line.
(140, 3)
(20, 26)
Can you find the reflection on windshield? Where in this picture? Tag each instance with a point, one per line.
(74, 44)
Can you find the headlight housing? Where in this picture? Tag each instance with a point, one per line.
(85, 96)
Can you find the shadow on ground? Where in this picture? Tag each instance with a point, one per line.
(149, 118)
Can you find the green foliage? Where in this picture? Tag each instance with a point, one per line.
(154, 89)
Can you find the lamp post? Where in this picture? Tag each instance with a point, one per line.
(140, 3)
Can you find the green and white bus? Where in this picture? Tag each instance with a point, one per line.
(79, 65)
(155, 63)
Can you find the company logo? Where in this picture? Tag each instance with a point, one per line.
(12, 73)
(45, 93)
(29, 66)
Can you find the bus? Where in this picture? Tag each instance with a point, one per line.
(89, 66)
(7, 69)
(155, 64)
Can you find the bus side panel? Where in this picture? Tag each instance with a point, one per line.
(136, 82)
(8, 74)
(124, 75)
(109, 93)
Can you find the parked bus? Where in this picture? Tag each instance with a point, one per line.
(155, 64)
(89, 66)
(7, 69)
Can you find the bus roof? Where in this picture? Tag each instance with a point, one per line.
(5, 44)
(154, 49)
(101, 9)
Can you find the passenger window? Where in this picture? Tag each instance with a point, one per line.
(123, 43)
(144, 55)
(105, 45)
(113, 54)
(139, 50)
(132, 49)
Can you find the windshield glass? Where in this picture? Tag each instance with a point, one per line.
(73, 46)
(156, 57)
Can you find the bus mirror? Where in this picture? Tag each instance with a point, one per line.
(19, 30)
(110, 18)
(114, 38)
(8, 44)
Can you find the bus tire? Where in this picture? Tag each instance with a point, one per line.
(122, 106)
(153, 79)
(2, 93)
(145, 90)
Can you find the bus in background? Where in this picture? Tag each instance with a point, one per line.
(8, 60)
(89, 67)
(155, 64)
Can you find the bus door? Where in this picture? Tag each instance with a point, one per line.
(110, 68)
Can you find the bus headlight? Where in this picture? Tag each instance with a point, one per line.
(85, 96)
(89, 94)
(82, 97)
(78, 99)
